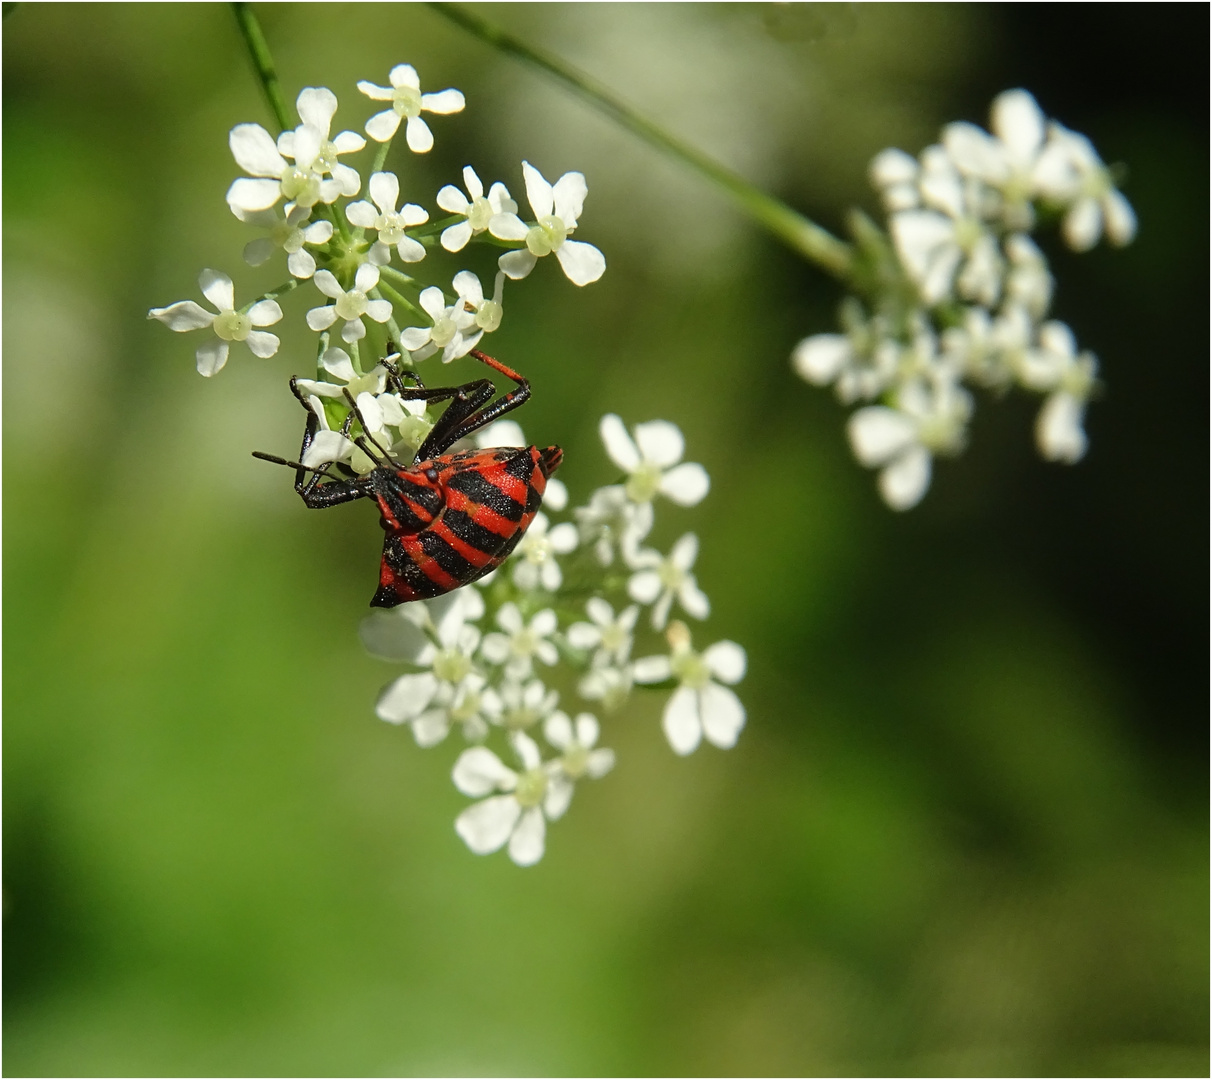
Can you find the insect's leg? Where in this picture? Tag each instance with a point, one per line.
(484, 413)
(465, 401)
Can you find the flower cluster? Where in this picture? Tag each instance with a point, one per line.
(492, 659)
(364, 256)
(495, 660)
(955, 293)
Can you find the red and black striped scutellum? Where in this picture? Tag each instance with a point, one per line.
(449, 518)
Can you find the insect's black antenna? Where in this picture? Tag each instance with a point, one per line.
(289, 464)
(360, 441)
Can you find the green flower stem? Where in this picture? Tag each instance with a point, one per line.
(320, 372)
(355, 355)
(263, 63)
(802, 235)
(432, 228)
(380, 157)
(273, 294)
(390, 294)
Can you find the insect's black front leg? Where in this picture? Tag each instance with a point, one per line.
(320, 491)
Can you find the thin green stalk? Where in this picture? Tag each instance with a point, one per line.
(804, 236)
(388, 293)
(263, 62)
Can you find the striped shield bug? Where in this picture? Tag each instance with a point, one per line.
(449, 518)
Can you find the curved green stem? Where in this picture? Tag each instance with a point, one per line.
(803, 235)
(390, 294)
(263, 63)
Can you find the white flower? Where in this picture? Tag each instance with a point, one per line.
(387, 221)
(611, 637)
(272, 177)
(1072, 173)
(350, 305)
(311, 147)
(446, 652)
(1028, 280)
(1007, 160)
(576, 745)
(487, 314)
(472, 705)
(407, 101)
(609, 685)
(929, 418)
(893, 173)
(327, 445)
(940, 252)
(522, 643)
(1056, 366)
(652, 461)
(227, 323)
(474, 207)
(700, 706)
(534, 796)
(288, 234)
(556, 210)
(523, 706)
(862, 361)
(454, 329)
(662, 579)
(534, 562)
(611, 518)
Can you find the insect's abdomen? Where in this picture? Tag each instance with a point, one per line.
(491, 499)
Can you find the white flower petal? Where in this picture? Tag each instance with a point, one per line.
(582, 264)
(404, 75)
(599, 763)
(217, 288)
(517, 264)
(384, 189)
(559, 795)
(660, 442)
(890, 167)
(819, 359)
(645, 586)
(455, 238)
(382, 126)
(410, 251)
(321, 318)
(1058, 429)
(727, 661)
(525, 746)
(211, 357)
(557, 730)
(444, 102)
(693, 600)
(255, 151)
(375, 93)
(265, 313)
(618, 443)
(528, 839)
(681, 721)
(316, 106)
(183, 316)
(507, 227)
(348, 142)
(251, 195)
(569, 194)
(386, 634)
(260, 251)
(431, 727)
(563, 538)
(418, 135)
(1019, 123)
(686, 484)
(878, 434)
(722, 715)
(407, 697)
(452, 200)
(262, 344)
(485, 826)
(538, 191)
(479, 771)
(904, 481)
(652, 669)
(1120, 218)
(556, 495)
(1083, 224)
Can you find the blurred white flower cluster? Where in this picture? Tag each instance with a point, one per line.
(565, 610)
(300, 191)
(955, 294)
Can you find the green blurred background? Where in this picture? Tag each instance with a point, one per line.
(965, 830)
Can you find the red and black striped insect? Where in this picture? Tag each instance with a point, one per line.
(449, 518)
